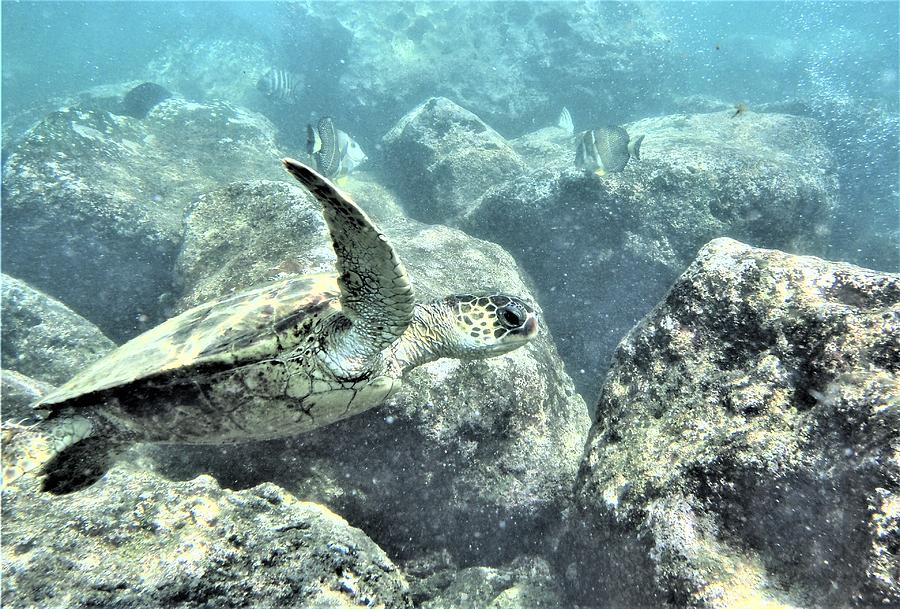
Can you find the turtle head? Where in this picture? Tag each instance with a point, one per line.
(490, 324)
(466, 326)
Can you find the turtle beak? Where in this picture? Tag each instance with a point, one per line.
(530, 327)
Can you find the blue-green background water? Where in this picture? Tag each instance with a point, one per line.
(835, 62)
(514, 65)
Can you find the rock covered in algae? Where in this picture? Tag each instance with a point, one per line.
(42, 337)
(210, 262)
(442, 157)
(494, 443)
(525, 583)
(19, 392)
(136, 540)
(608, 248)
(210, 69)
(92, 201)
(495, 59)
(746, 447)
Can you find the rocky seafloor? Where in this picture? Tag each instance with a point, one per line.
(744, 444)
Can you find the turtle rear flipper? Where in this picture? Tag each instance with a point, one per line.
(81, 464)
(26, 448)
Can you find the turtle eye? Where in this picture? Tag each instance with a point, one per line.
(511, 316)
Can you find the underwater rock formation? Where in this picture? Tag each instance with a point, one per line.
(18, 122)
(136, 540)
(495, 59)
(442, 158)
(211, 70)
(92, 201)
(229, 244)
(746, 443)
(547, 148)
(19, 392)
(863, 136)
(606, 249)
(526, 583)
(470, 456)
(229, 70)
(42, 337)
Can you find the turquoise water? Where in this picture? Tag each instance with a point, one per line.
(834, 62)
(141, 176)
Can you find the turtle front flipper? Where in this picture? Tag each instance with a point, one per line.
(376, 295)
(26, 448)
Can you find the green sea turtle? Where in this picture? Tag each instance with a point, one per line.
(273, 361)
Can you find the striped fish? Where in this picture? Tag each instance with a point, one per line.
(335, 152)
(565, 122)
(281, 85)
(606, 150)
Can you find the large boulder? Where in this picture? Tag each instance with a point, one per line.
(746, 448)
(42, 337)
(547, 148)
(606, 249)
(229, 69)
(210, 70)
(18, 121)
(280, 230)
(513, 64)
(229, 243)
(525, 583)
(136, 540)
(17, 393)
(442, 157)
(92, 201)
(471, 456)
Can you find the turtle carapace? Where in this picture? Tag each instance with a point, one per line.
(273, 361)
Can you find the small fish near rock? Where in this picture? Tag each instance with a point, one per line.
(606, 150)
(281, 86)
(140, 100)
(565, 122)
(336, 153)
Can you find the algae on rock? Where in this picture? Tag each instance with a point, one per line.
(442, 157)
(746, 443)
(91, 195)
(136, 540)
(43, 338)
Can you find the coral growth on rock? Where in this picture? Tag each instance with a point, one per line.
(745, 448)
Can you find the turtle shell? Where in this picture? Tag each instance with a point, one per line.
(243, 328)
